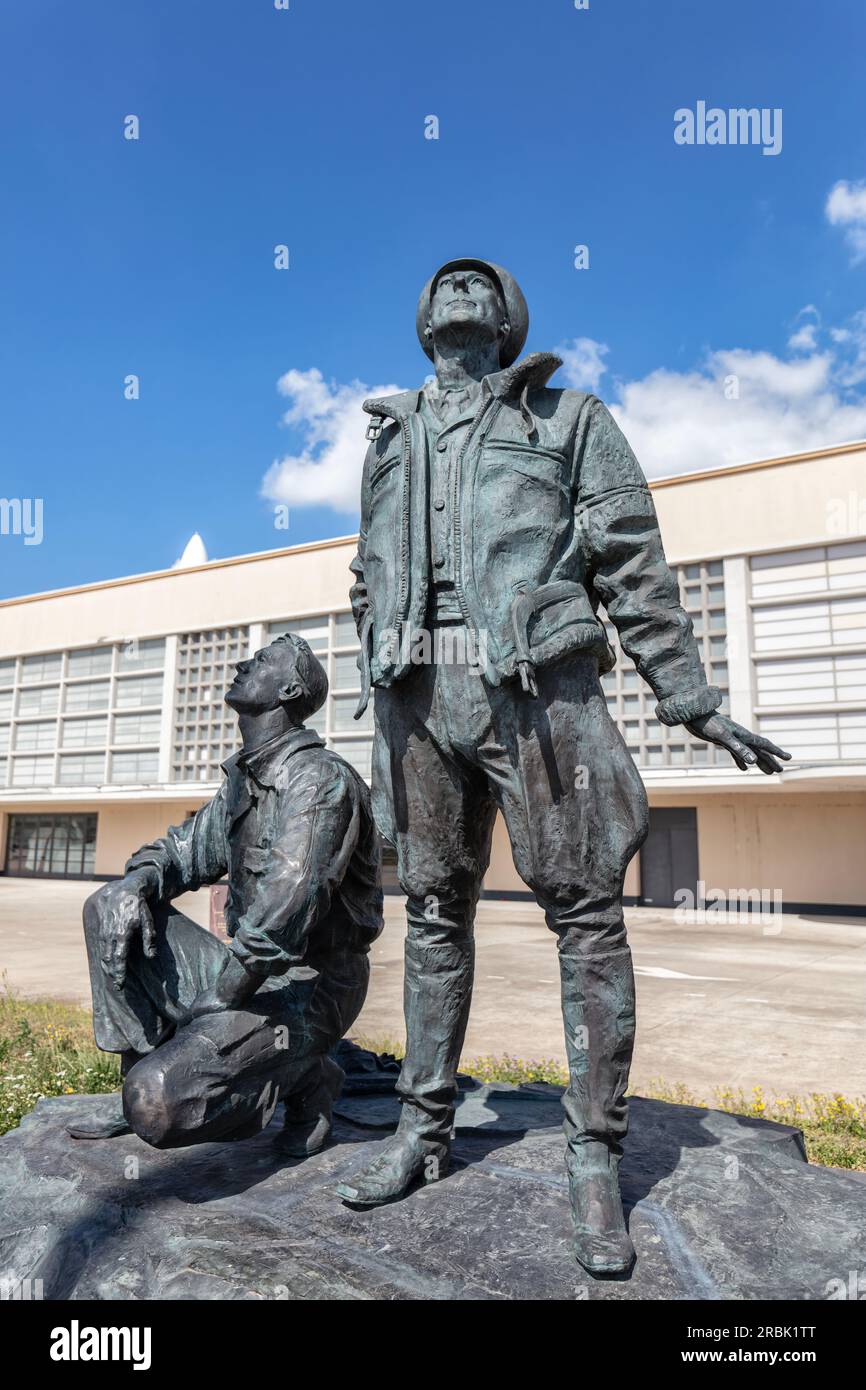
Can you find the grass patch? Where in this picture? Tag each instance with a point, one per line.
(833, 1126)
(47, 1049)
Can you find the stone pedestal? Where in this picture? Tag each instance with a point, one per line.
(720, 1208)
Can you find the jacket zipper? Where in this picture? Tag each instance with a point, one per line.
(491, 409)
(402, 609)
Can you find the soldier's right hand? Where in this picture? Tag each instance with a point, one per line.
(123, 911)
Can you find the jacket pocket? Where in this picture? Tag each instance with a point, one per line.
(383, 468)
(256, 859)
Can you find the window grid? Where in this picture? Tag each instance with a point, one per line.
(205, 729)
(333, 638)
(56, 705)
(632, 704)
(805, 603)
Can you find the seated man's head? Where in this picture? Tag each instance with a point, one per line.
(286, 675)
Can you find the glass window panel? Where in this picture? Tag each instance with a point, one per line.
(344, 710)
(346, 673)
(78, 769)
(345, 632)
(36, 736)
(138, 690)
(137, 728)
(313, 630)
(42, 667)
(358, 752)
(89, 661)
(715, 567)
(32, 771)
(51, 844)
(316, 721)
(86, 695)
(134, 767)
(137, 655)
(6, 701)
(84, 733)
(41, 701)
(4, 738)
(7, 672)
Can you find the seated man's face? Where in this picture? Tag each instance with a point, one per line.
(466, 298)
(265, 681)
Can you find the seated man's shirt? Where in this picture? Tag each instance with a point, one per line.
(292, 828)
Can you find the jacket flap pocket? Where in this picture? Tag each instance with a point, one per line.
(256, 860)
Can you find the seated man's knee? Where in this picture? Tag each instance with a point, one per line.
(148, 1105)
(90, 913)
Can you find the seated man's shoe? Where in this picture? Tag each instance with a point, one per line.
(307, 1125)
(601, 1242)
(405, 1159)
(109, 1128)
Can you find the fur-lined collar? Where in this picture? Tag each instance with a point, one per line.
(533, 371)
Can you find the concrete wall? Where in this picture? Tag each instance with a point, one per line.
(811, 846)
(259, 588)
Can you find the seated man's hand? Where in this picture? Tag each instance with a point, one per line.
(746, 749)
(123, 911)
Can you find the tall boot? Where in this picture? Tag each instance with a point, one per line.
(307, 1125)
(598, 1011)
(436, 997)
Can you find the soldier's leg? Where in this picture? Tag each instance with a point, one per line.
(221, 1076)
(133, 1020)
(576, 812)
(436, 809)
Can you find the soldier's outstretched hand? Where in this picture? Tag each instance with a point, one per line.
(746, 749)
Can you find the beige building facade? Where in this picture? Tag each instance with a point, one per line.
(112, 724)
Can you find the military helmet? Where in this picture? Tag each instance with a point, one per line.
(512, 297)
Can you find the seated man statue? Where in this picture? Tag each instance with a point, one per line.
(211, 1036)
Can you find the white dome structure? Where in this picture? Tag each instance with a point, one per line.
(194, 553)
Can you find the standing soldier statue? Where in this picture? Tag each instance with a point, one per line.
(497, 514)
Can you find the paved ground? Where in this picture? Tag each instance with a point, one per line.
(721, 1004)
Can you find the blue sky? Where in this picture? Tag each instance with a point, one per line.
(306, 127)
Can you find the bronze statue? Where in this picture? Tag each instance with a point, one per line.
(212, 1036)
(497, 515)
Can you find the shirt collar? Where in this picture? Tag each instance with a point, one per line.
(265, 761)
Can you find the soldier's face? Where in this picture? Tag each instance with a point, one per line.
(265, 681)
(466, 299)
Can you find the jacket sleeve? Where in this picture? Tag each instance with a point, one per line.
(627, 569)
(191, 854)
(317, 831)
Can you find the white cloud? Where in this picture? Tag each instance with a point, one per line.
(805, 338)
(739, 405)
(583, 362)
(846, 207)
(327, 471)
(735, 406)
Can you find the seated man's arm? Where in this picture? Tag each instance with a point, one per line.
(188, 856)
(317, 832)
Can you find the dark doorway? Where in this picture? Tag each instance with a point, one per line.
(669, 859)
(51, 845)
